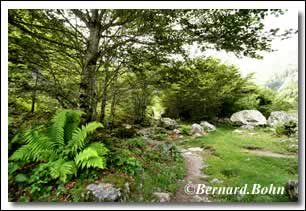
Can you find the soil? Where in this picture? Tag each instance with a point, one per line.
(194, 163)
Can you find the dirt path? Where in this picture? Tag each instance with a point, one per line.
(194, 163)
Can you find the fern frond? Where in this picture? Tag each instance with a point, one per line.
(56, 131)
(38, 147)
(72, 122)
(91, 127)
(23, 153)
(79, 136)
(92, 157)
(61, 169)
(99, 148)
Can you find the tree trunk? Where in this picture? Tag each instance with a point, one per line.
(88, 79)
(113, 108)
(104, 95)
(34, 95)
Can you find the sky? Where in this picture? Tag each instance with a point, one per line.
(285, 57)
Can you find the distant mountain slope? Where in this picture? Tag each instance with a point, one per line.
(286, 84)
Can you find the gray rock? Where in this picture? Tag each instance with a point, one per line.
(248, 127)
(162, 197)
(197, 130)
(216, 180)
(238, 131)
(127, 126)
(281, 117)
(207, 126)
(176, 131)
(168, 123)
(104, 192)
(292, 189)
(195, 149)
(248, 117)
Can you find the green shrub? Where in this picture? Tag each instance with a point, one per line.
(63, 148)
(125, 161)
(289, 128)
(185, 130)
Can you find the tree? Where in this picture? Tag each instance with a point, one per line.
(201, 88)
(91, 37)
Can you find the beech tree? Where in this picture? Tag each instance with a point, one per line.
(97, 37)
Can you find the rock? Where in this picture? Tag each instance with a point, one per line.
(248, 127)
(104, 192)
(238, 131)
(207, 126)
(202, 198)
(162, 197)
(168, 123)
(292, 190)
(176, 131)
(248, 117)
(216, 180)
(281, 116)
(195, 149)
(127, 126)
(197, 130)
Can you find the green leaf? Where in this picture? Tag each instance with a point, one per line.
(21, 178)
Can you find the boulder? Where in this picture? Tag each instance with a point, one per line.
(281, 116)
(207, 126)
(197, 130)
(248, 117)
(162, 197)
(292, 189)
(176, 131)
(104, 192)
(127, 126)
(168, 123)
(248, 127)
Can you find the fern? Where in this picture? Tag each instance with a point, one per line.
(56, 131)
(61, 169)
(79, 136)
(62, 147)
(38, 147)
(72, 123)
(92, 156)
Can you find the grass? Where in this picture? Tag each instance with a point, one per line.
(228, 162)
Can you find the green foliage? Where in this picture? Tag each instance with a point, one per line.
(21, 178)
(63, 147)
(202, 89)
(185, 130)
(289, 128)
(126, 162)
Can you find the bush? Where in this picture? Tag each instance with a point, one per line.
(185, 130)
(289, 128)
